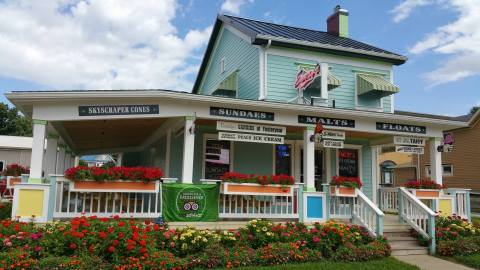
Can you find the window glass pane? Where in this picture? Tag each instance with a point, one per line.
(348, 162)
(217, 158)
(283, 159)
(447, 169)
(1, 166)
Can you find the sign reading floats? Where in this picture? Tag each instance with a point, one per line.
(401, 128)
(100, 110)
(253, 128)
(255, 138)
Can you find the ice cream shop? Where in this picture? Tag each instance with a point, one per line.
(282, 123)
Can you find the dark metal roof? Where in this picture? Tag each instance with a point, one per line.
(261, 32)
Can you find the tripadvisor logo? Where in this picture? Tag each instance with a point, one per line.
(191, 202)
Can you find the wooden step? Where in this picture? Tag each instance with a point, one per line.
(407, 252)
(408, 244)
(400, 237)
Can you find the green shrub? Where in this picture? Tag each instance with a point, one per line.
(351, 253)
(5, 210)
(459, 246)
(72, 263)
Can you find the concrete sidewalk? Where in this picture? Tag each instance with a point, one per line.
(426, 262)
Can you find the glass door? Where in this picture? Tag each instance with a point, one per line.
(319, 169)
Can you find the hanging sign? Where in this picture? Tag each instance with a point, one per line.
(101, 110)
(335, 122)
(306, 77)
(400, 140)
(332, 144)
(333, 135)
(409, 149)
(254, 128)
(448, 138)
(188, 202)
(401, 128)
(255, 138)
(243, 114)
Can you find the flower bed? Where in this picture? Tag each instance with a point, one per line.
(15, 170)
(144, 174)
(121, 244)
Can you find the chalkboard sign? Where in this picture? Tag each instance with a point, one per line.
(348, 162)
(217, 158)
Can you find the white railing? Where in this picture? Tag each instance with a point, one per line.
(419, 216)
(69, 204)
(341, 207)
(367, 214)
(244, 206)
(461, 202)
(388, 200)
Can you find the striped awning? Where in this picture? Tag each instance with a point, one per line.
(333, 82)
(228, 87)
(375, 85)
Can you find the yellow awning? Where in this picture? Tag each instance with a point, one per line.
(228, 87)
(333, 82)
(375, 85)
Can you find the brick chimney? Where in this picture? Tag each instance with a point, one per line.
(337, 23)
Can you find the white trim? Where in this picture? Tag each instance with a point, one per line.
(168, 146)
(262, 73)
(46, 193)
(299, 156)
(305, 206)
(375, 180)
(427, 170)
(212, 136)
(392, 97)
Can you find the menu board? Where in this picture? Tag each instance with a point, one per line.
(217, 158)
(348, 162)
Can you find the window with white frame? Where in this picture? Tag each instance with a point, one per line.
(216, 158)
(447, 170)
(222, 65)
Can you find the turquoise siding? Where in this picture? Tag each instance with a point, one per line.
(239, 55)
(282, 70)
(176, 156)
(253, 158)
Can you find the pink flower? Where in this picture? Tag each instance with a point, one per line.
(315, 239)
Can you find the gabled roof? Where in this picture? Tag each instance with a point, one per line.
(260, 33)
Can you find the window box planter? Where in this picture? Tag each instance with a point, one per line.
(114, 186)
(340, 191)
(12, 181)
(256, 189)
(426, 193)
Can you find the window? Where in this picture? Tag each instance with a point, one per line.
(2, 164)
(348, 162)
(283, 159)
(387, 178)
(216, 158)
(222, 65)
(447, 170)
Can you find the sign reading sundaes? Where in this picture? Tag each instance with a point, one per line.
(244, 114)
(252, 128)
(409, 149)
(336, 122)
(255, 138)
(400, 140)
(401, 128)
(100, 110)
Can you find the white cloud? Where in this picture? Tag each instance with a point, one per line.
(460, 40)
(103, 44)
(404, 9)
(233, 6)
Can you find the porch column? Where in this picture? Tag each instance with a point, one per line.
(324, 80)
(68, 154)
(309, 159)
(77, 161)
(435, 161)
(61, 158)
(119, 159)
(38, 144)
(188, 144)
(50, 158)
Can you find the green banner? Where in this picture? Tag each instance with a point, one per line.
(189, 202)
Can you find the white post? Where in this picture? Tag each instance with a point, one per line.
(61, 159)
(309, 159)
(50, 158)
(38, 144)
(436, 161)
(375, 165)
(77, 161)
(119, 159)
(188, 144)
(324, 89)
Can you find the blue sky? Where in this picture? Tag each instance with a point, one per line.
(73, 44)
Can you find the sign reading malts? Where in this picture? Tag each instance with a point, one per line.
(245, 114)
(348, 163)
(242, 137)
(253, 128)
(99, 110)
(401, 128)
(409, 149)
(187, 202)
(332, 144)
(400, 140)
(304, 119)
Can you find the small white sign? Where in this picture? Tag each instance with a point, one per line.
(409, 149)
(255, 138)
(332, 144)
(333, 135)
(401, 140)
(253, 128)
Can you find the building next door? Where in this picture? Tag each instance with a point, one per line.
(319, 168)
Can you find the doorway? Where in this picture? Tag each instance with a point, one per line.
(319, 168)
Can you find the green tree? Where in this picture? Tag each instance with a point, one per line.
(474, 109)
(13, 123)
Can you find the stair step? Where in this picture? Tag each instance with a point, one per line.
(397, 234)
(408, 244)
(394, 237)
(406, 252)
(395, 230)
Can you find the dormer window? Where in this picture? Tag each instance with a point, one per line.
(228, 87)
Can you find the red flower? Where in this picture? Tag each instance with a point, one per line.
(121, 235)
(73, 246)
(102, 235)
(111, 249)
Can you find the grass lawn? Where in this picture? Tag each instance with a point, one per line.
(476, 221)
(383, 264)
(469, 260)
